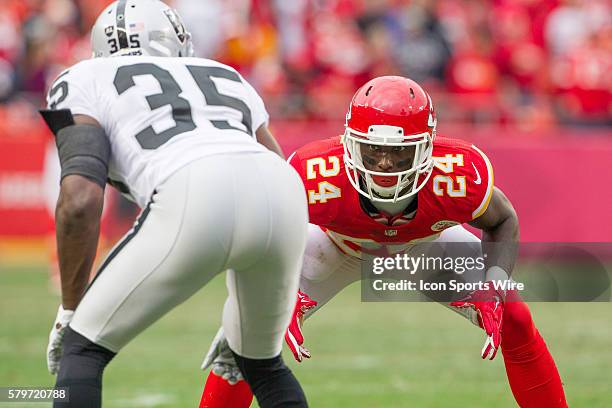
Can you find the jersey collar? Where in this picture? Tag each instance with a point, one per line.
(387, 219)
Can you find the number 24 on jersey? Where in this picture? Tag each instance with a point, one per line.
(318, 166)
(326, 190)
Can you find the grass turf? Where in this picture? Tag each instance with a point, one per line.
(364, 354)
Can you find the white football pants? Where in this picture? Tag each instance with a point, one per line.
(327, 270)
(245, 213)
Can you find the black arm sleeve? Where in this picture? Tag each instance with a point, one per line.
(84, 150)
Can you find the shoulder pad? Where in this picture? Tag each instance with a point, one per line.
(316, 150)
(321, 168)
(462, 177)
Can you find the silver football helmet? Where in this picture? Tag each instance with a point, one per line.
(140, 27)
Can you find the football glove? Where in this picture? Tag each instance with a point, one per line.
(54, 349)
(221, 359)
(293, 335)
(489, 307)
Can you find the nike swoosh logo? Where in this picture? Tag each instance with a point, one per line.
(478, 179)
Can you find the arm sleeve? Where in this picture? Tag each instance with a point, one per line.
(82, 149)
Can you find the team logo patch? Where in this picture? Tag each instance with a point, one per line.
(109, 31)
(391, 233)
(442, 225)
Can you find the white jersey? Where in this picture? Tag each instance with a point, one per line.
(161, 114)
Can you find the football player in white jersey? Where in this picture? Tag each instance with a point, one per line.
(180, 137)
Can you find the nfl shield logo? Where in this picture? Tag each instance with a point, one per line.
(109, 31)
(391, 233)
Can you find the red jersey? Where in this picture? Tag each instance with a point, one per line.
(458, 191)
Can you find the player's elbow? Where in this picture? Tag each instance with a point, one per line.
(505, 218)
(82, 208)
(513, 224)
(79, 202)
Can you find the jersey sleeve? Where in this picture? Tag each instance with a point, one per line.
(258, 108)
(74, 89)
(482, 181)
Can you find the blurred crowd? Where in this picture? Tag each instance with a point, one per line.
(533, 64)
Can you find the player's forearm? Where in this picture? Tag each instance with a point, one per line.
(500, 235)
(77, 229)
(265, 137)
(273, 145)
(500, 243)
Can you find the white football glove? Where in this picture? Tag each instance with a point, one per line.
(221, 359)
(54, 349)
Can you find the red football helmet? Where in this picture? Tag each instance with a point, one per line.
(390, 111)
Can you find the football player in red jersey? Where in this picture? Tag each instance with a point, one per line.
(385, 185)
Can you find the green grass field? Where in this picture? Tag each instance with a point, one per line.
(364, 354)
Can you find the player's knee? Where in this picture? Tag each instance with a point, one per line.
(517, 319)
(82, 359)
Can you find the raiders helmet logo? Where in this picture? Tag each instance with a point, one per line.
(177, 24)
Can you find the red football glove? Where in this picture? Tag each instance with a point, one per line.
(489, 306)
(293, 335)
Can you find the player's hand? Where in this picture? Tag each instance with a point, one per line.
(54, 349)
(222, 360)
(293, 335)
(489, 306)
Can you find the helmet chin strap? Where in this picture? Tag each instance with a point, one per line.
(392, 208)
(383, 192)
